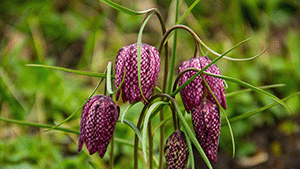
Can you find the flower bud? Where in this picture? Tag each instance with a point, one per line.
(207, 126)
(176, 151)
(98, 120)
(150, 64)
(192, 94)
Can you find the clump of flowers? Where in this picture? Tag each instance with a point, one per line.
(98, 120)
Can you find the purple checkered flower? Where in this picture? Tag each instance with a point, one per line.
(98, 120)
(192, 94)
(207, 125)
(176, 151)
(150, 64)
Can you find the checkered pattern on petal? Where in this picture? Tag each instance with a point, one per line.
(207, 126)
(216, 84)
(176, 151)
(150, 64)
(98, 121)
(192, 94)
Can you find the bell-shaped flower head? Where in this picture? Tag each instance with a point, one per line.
(176, 151)
(193, 93)
(150, 64)
(98, 120)
(207, 126)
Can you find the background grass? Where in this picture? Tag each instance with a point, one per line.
(85, 35)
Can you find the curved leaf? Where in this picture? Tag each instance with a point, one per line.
(253, 112)
(39, 125)
(249, 90)
(251, 87)
(135, 129)
(124, 9)
(93, 74)
(146, 121)
(109, 78)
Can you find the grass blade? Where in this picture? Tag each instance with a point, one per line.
(251, 87)
(39, 125)
(253, 112)
(249, 90)
(187, 12)
(93, 74)
(124, 9)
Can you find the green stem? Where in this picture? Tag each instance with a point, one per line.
(150, 145)
(111, 161)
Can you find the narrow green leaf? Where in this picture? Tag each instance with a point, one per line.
(139, 43)
(251, 87)
(93, 74)
(145, 126)
(124, 9)
(253, 112)
(249, 90)
(135, 129)
(187, 12)
(125, 111)
(38, 125)
(73, 114)
(247, 59)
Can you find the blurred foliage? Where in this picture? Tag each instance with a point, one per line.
(86, 34)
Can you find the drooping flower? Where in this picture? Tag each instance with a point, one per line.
(176, 151)
(127, 59)
(207, 126)
(192, 94)
(98, 120)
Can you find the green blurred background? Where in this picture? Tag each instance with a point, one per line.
(87, 34)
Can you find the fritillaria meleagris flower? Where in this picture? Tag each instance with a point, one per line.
(98, 120)
(192, 94)
(207, 125)
(176, 151)
(127, 59)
